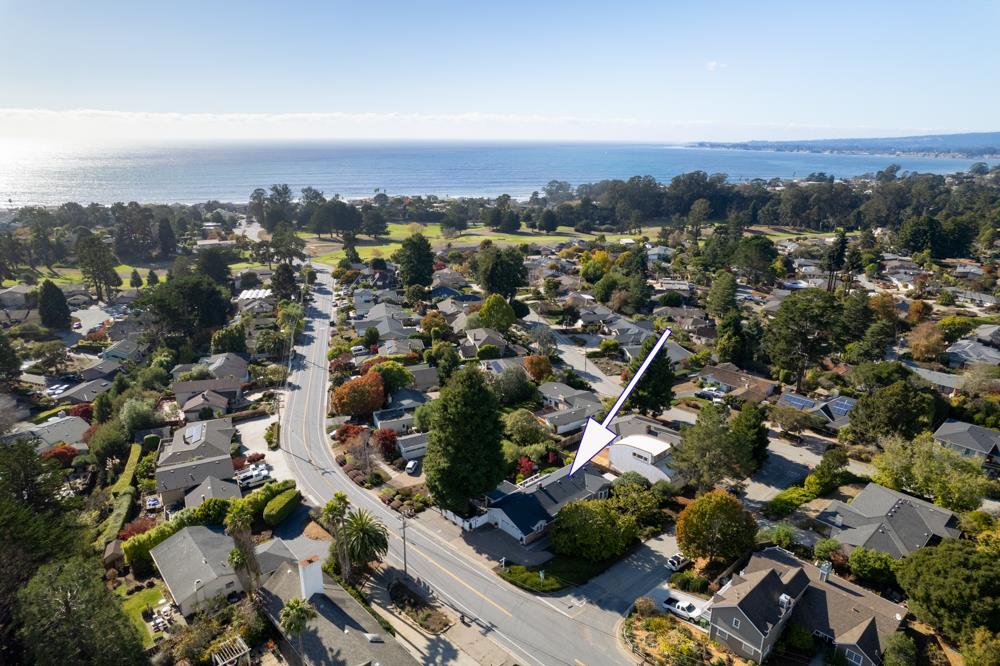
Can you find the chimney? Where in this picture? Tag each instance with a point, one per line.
(824, 571)
(310, 577)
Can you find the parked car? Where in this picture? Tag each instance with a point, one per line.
(681, 608)
(258, 478)
(710, 393)
(413, 467)
(677, 562)
(359, 350)
(251, 469)
(77, 325)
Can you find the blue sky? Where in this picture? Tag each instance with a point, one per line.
(507, 70)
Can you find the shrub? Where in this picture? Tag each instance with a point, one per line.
(799, 638)
(787, 501)
(113, 524)
(281, 506)
(273, 435)
(688, 581)
(64, 454)
(825, 549)
(255, 457)
(489, 351)
(258, 499)
(128, 474)
(137, 526)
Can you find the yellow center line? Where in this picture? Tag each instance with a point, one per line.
(460, 581)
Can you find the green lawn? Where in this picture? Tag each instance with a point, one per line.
(135, 604)
(560, 572)
(66, 275)
(386, 245)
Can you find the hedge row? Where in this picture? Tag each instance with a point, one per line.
(248, 414)
(258, 500)
(210, 512)
(128, 474)
(114, 522)
(282, 506)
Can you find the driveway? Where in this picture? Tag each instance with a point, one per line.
(575, 357)
(89, 317)
(252, 436)
(663, 591)
(788, 464)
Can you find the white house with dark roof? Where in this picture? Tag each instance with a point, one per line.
(888, 521)
(645, 446)
(526, 511)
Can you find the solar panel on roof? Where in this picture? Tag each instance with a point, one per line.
(842, 406)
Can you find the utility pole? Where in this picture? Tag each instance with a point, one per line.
(402, 523)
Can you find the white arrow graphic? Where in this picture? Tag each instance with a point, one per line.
(597, 435)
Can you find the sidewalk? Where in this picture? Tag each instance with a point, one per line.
(459, 645)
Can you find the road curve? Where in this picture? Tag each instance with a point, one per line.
(534, 629)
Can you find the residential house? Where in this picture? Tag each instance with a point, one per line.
(400, 347)
(196, 452)
(988, 334)
(85, 391)
(888, 521)
(526, 511)
(194, 565)
(495, 366)
(212, 488)
(128, 350)
(412, 446)
(775, 589)
(60, 430)
(398, 414)
(101, 369)
(453, 306)
(646, 446)
(477, 338)
(833, 412)
(627, 332)
(219, 395)
(738, 383)
(425, 377)
(220, 366)
(969, 351)
(447, 277)
(971, 441)
(567, 408)
(595, 314)
(342, 632)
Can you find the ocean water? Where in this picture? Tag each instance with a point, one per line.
(230, 171)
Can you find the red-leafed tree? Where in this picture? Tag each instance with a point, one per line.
(525, 467)
(62, 454)
(360, 396)
(347, 431)
(385, 439)
(137, 526)
(538, 367)
(84, 410)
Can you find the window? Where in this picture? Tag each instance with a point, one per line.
(854, 657)
(736, 623)
(721, 634)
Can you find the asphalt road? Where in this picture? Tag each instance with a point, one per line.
(576, 358)
(535, 630)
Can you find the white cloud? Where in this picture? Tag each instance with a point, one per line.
(714, 65)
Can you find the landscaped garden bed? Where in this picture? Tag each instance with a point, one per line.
(426, 615)
(558, 573)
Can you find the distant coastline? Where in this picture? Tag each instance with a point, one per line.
(970, 145)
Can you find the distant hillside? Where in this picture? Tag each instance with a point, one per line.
(971, 144)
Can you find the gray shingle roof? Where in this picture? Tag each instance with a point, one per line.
(969, 436)
(889, 521)
(542, 500)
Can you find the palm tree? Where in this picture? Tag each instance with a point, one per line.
(239, 520)
(333, 515)
(366, 537)
(293, 618)
(238, 562)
